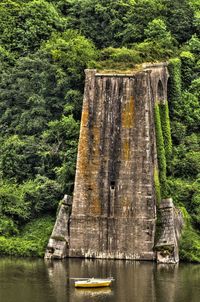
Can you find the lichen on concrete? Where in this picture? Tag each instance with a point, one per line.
(114, 204)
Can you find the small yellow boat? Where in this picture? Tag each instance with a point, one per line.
(93, 282)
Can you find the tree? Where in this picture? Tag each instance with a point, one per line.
(6, 58)
(159, 42)
(72, 53)
(30, 96)
(23, 26)
(20, 159)
(101, 21)
(179, 16)
(60, 140)
(137, 19)
(156, 30)
(13, 207)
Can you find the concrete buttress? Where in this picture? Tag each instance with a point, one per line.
(114, 202)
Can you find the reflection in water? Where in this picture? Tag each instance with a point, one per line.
(93, 292)
(165, 277)
(50, 281)
(58, 277)
(23, 280)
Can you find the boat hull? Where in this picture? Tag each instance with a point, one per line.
(92, 284)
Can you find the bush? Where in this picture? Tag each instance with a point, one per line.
(153, 50)
(187, 67)
(7, 227)
(20, 203)
(190, 245)
(182, 191)
(31, 242)
(178, 130)
(12, 203)
(195, 205)
(18, 247)
(20, 158)
(187, 164)
(43, 194)
(195, 87)
(192, 142)
(189, 111)
(120, 55)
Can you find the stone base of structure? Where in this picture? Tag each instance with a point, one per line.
(56, 249)
(58, 245)
(93, 254)
(112, 238)
(172, 223)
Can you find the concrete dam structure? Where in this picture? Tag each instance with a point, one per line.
(113, 212)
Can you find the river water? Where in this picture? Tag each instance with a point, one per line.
(23, 280)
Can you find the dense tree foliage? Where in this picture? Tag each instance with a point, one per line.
(45, 47)
(24, 26)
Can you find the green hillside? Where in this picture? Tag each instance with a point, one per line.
(44, 48)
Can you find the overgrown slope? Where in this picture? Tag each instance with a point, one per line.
(45, 47)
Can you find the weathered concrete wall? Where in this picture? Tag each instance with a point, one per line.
(58, 245)
(114, 206)
(171, 225)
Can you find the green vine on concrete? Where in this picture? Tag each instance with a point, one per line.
(157, 186)
(166, 131)
(160, 152)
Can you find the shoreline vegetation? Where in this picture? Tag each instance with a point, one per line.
(45, 47)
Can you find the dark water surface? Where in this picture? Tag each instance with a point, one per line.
(45, 281)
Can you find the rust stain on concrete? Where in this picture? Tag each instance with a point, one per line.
(114, 192)
(128, 114)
